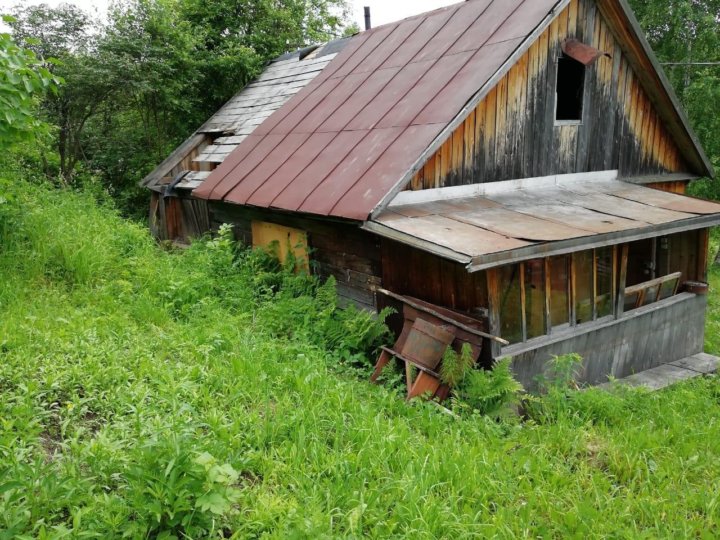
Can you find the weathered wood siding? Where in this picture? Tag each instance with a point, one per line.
(640, 340)
(179, 219)
(673, 187)
(411, 272)
(512, 133)
(337, 249)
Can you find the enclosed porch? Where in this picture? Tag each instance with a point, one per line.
(591, 265)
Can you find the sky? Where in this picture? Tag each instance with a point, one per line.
(382, 11)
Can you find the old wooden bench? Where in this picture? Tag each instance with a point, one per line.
(445, 327)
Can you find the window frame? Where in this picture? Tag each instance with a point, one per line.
(571, 296)
(569, 122)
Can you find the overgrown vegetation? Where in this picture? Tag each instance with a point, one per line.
(138, 84)
(149, 392)
(198, 393)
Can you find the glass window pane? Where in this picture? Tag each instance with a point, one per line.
(583, 262)
(535, 297)
(604, 265)
(631, 301)
(667, 289)
(651, 294)
(559, 286)
(509, 308)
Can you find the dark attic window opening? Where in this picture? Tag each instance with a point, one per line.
(569, 90)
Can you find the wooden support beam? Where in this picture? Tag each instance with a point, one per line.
(493, 285)
(548, 292)
(620, 291)
(703, 254)
(442, 317)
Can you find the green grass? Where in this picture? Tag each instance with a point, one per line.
(200, 393)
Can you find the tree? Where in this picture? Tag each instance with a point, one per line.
(141, 83)
(65, 38)
(684, 32)
(239, 36)
(23, 81)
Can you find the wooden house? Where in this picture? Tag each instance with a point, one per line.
(523, 162)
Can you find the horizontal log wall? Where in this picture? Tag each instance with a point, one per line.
(512, 133)
(337, 249)
(409, 271)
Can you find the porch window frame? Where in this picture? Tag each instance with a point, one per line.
(617, 279)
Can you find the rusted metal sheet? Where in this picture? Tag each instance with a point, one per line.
(518, 225)
(509, 223)
(401, 84)
(585, 54)
(670, 201)
(455, 235)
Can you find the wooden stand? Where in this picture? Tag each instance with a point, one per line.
(463, 329)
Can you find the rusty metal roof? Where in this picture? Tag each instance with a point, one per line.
(340, 145)
(510, 221)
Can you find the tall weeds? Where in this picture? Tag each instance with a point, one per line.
(150, 393)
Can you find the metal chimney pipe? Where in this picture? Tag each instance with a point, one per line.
(368, 25)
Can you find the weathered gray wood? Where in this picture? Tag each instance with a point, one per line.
(701, 363)
(660, 178)
(471, 104)
(650, 78)
(659, 377)
(591, 242)
(443, 317)
(174, 159)
(639, 340)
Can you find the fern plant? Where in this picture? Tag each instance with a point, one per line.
(493, 392)
(456, 366)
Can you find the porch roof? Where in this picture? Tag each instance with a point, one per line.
(489, 225)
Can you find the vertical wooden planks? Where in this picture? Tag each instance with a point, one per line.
(512, 134)
(469, 141)
(501, 133)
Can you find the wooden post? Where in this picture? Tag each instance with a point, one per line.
(620, 303)
(523, 314)
(548, 287)
(703, 255)
(493, 284)
(613, 288)
(594, 283)
(573, 291)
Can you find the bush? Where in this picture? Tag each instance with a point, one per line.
(562, 398)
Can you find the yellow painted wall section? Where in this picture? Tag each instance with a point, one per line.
(282, 241)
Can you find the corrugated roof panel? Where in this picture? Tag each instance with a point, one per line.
(269, 166)
(386, 170)
(400, 85)
(486, 29)
(250, 160)
(429, 27)
(372, 43)
(435, 79)
(395, 90)
(456, 26)
(365, 94)
(309, 178)
(302, 158)
(394, 41)
(472, 76)
(322, 199)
